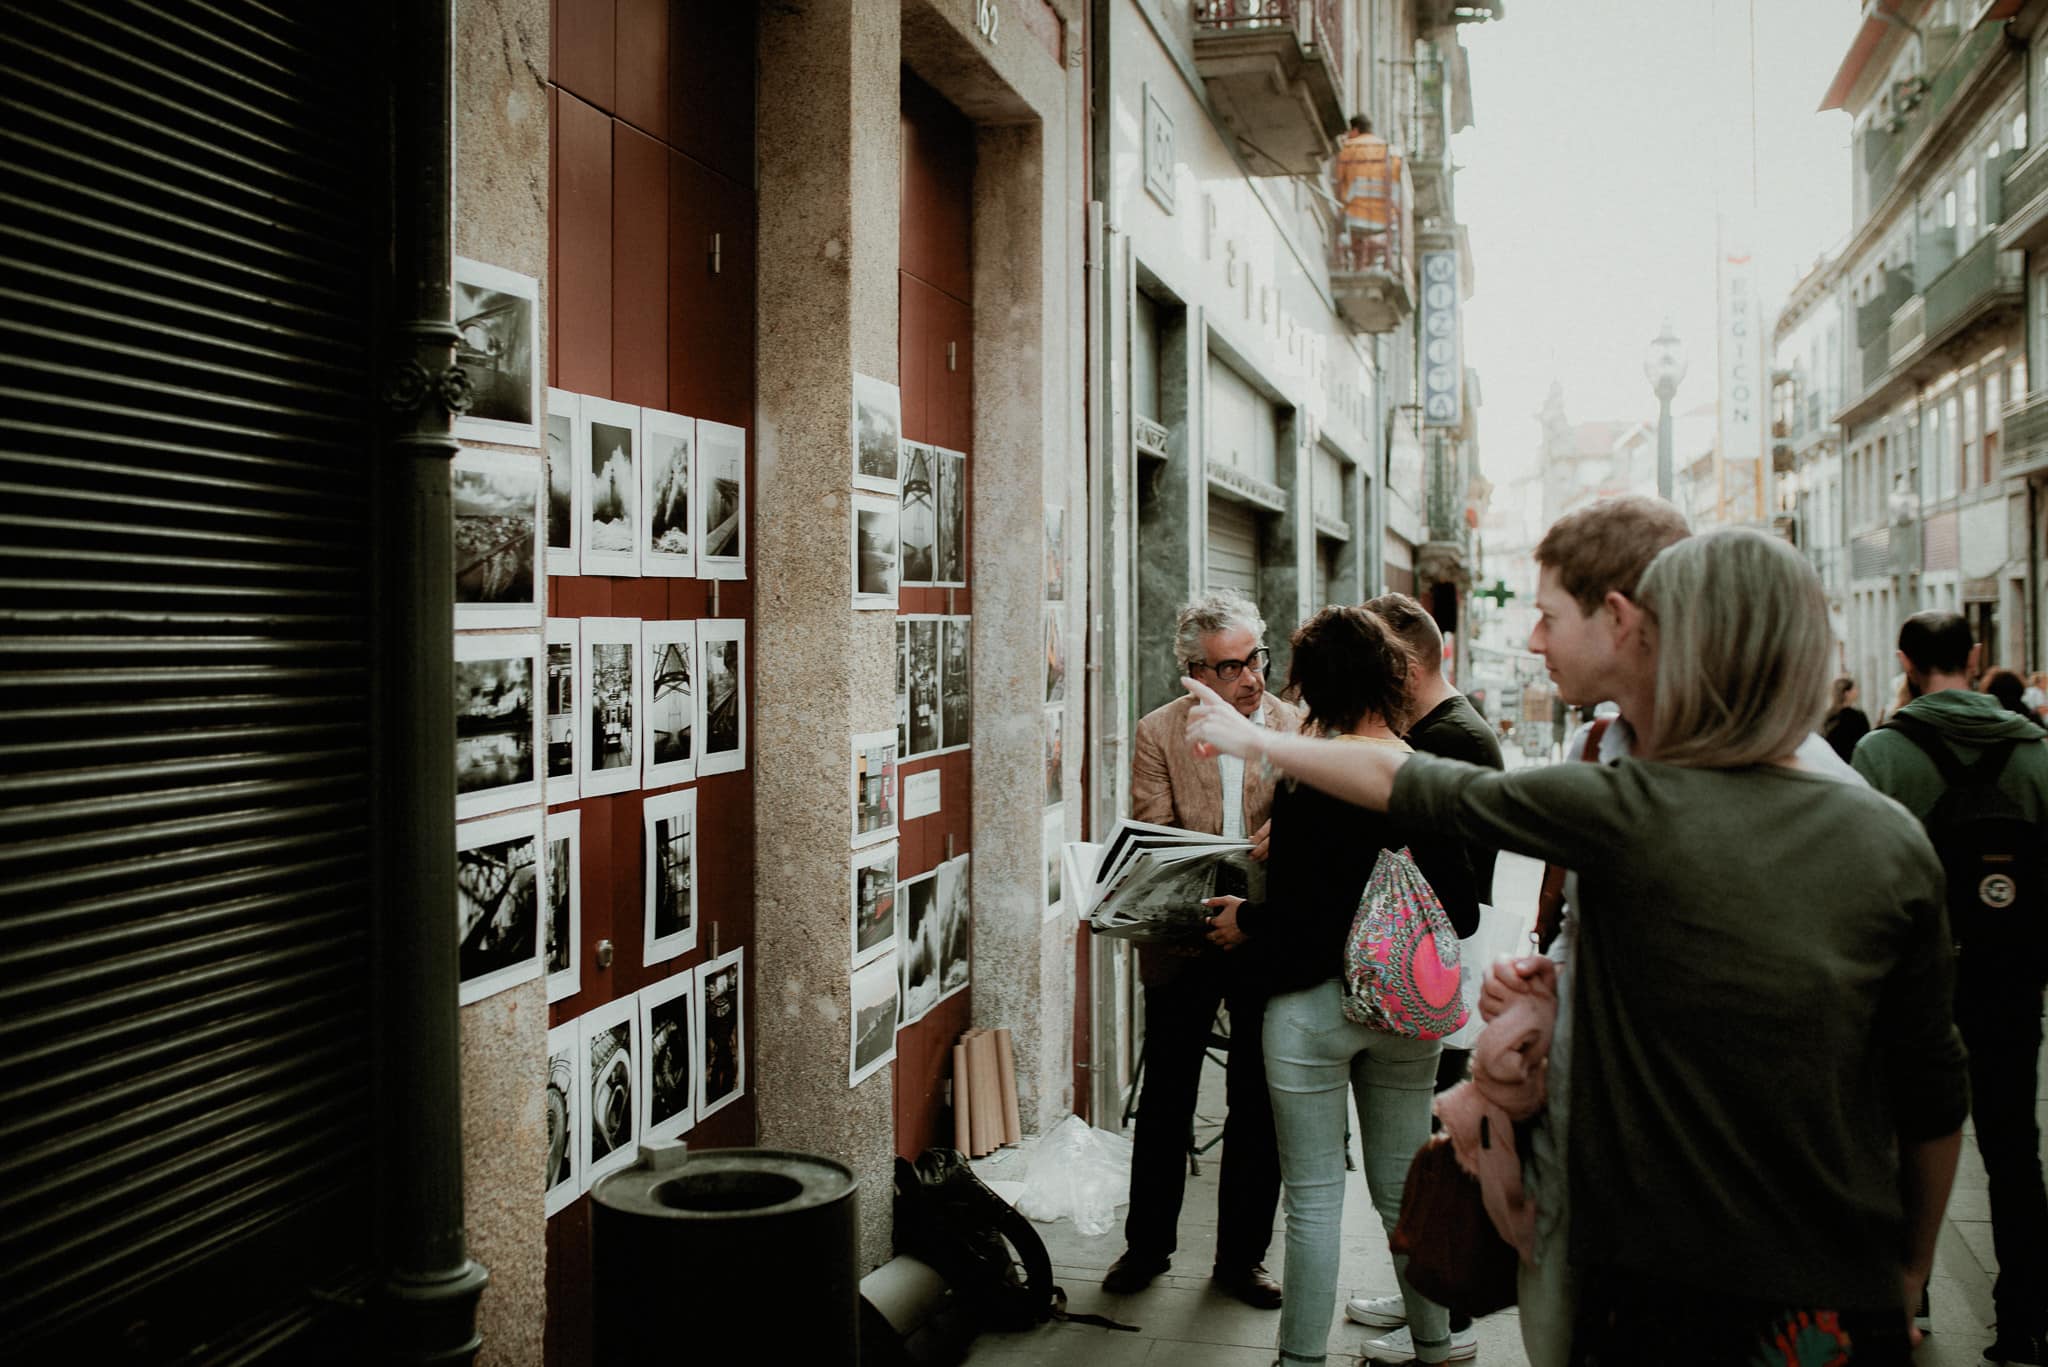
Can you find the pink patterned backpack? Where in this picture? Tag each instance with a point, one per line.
(1401, 960)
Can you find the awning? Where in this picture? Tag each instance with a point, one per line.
(1868, 37)
(1996, 10)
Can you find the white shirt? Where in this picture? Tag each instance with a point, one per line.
(1232, 772)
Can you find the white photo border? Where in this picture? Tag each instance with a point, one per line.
(592, 781)
(660, 949)
(862, 742)
(567, 826)
(526, 613)
(655, 633)
(618, 564)
(904, 1018)
(871, 392)
(873, 503)
(710, 630)
(735, 960)
(565, 1042)
(878, 968)
(496, 830)
(592, 1023)
(683, 984)
(470, 271)
(653, 563)
(871, 857)
(565, 631)
(722, 435)
(526, 793)
(567, 560)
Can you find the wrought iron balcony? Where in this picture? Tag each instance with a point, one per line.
(2025, 192)
(1983, 278)
(1372, 263)
(2025, 423)
(1430, 167)
(1274, 70)
(1908, 329)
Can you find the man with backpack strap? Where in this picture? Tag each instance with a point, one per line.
(1976, 776)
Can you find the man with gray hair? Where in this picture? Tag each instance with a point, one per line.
(1219, 639)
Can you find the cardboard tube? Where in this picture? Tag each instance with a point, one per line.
(961, 1138)
(1006, 1077)
(988, 1094)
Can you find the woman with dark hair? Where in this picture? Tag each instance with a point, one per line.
(2010, 690)
(1351, 672)
(1845, 723)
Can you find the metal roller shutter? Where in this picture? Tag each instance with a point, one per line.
(185, 1112)
(1233, 559)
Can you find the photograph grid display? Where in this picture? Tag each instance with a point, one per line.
(670, 857)
(498, 899)
(721, 1033)
(562, 521)
(496, 500)
(612, 719)
(666, 536)
(876, 551)
(874, 787)
(722, 697)
(874, 903)
(877, 433)
(564, 885)
(563, 638)
(671, 703)
(918, 951)
(668, 1060)
(562, 1106)
(919, 517)
(608, 454)
(721, 500)
(496, 714)
(875, 1016)
(497, 326)
(610, 1049)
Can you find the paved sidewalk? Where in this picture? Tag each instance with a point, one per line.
(1185, 1323)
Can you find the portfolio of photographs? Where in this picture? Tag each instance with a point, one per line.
(874, 787)
(498, 895)
(564, 886)
(923, 702)
(667, 476)
(956, 682)
(667, 1024)
(496, 499)
(917, 944)
(608, 453)
(562, 1105)
(670, 649)
(721, 1033)
(954, 921)
(721, 500)
(562, 703)
(497, 325)
(875, 551)
(873, 1045)
(920, 519)
(722, 706)
(951, 570)
(609, 680)
(563, 520)
(669, 852)
(874, 903)
(877, 433)
(495, 716)
(610, 1049)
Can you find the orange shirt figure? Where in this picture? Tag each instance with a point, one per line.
(1368, 174)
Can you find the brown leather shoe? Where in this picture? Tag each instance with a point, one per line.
(1253, 1285)
(1133, 1272)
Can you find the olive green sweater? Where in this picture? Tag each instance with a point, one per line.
(1762, 1015)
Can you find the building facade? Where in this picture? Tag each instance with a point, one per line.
(1806, 458)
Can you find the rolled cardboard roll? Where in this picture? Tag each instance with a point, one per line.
(1006, 1077)
(988, 1094)
(961, 1136)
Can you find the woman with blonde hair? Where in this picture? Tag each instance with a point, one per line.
(1845, 722)
(1769, 1084)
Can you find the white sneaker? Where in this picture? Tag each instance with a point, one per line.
(1381, 1312)
(1399, 1346)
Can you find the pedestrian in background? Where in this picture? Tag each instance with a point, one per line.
(1845, 723)
(1351, 672)
(2007, 687)
(1993, 838)
(1784, 1186)
(1221, 640)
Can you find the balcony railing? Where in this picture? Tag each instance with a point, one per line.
(2026, 178)
(2025, 423)
(1884, 149)
(1431, 164)
(1275, 74)
(1980, 275)
(1908, 329)
(1372, 255)
(1874, 315)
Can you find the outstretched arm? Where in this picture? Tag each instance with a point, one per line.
(1357, 773)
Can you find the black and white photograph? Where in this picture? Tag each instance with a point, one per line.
(877, 433)
(874, 903)
(612, 720)
(956, 682)
(562, 522)
(875, 551)
(1055, 654)
(875, 1011)
(917, 944)
(902, 687)
(497, 325)
(562, 702)
(1055, 553)
(874, 787)
(1055, 838)
(608, 456)
(495, 723)
(498, 896)
(923, 702)
(670, 650)
(954, 920)
(610, 1048)
(920, 518)
(563, 884)
(1055, 754)
(668, 444)
(721, 500)
(722, 709)
(670, 856)
(496, 499)
(563, 1103)
(951, 570)
(668, 1023)
(721, 1032)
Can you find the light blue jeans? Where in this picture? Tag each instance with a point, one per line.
(1312, 1052)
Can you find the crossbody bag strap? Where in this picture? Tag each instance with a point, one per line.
(1550, 900)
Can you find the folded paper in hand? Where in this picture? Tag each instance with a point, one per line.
(1148, 883)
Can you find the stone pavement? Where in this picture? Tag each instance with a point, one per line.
(1185, 1323)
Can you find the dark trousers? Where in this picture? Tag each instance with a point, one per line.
(1179, 1015)
(2002, 1030)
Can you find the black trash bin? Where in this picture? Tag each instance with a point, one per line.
(726, 1255)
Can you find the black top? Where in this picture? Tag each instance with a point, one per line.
(1460, 873)
(1322, 853)
(1844, 729)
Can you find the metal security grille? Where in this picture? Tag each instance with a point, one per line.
(1233, 559)
(184, 676)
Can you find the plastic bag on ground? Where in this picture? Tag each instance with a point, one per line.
(1078, 1173)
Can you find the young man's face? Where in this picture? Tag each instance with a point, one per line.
(1578, 647)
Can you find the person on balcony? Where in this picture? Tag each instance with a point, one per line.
(1368, 174)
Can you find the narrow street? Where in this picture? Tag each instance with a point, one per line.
(1184, 1322)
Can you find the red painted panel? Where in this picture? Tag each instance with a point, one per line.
(913, 324)
(938, 190)
(641, 65)
(639, 268)
(584, 41)
(583, 215)
(711, 86)
(710, 311)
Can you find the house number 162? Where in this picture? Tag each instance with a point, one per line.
(987, 18)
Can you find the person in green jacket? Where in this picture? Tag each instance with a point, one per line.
(1998, 1010)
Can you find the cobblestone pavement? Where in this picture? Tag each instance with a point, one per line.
(1185, 1323)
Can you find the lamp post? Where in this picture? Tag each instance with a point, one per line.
(1664, 368)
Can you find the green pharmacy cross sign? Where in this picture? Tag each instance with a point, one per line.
(1499, 593)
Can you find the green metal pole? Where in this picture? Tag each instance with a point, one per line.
(428, 1285)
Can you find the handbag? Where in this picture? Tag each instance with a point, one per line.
(1455, 1255)
(1401, 960)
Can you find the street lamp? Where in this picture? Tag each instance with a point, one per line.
(1664, 368)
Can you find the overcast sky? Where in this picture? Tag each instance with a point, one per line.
(1588, 182)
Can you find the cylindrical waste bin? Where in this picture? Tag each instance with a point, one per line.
(726, 1255)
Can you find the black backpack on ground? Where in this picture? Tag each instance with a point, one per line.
(984, 1247)
(1995, 858)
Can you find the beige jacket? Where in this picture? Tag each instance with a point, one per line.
(1170, 787)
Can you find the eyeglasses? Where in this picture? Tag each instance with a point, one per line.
(1226, 671)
